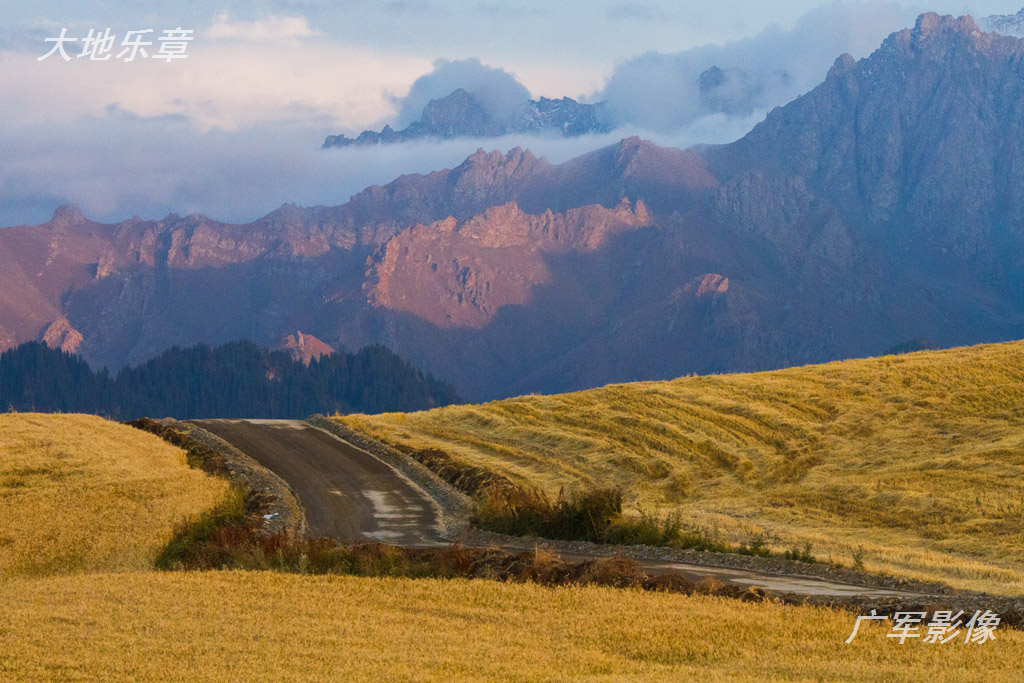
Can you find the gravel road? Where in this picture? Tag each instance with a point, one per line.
(347, 494)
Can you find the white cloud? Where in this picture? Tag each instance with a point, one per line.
(118, 165)
(228, 84)
(557, 80)
(662, 90)
(273, 28)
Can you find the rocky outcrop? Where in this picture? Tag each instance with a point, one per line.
(61, 335)
(305, 347)
(707, 285)
(460, 274)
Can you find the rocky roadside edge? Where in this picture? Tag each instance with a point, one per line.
(766, 565)
(1009, 608)
(280, 508)
(455, 506)
(931, 596)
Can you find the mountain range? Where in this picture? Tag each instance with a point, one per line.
(1008, 24)
(881, 207)
(461, 114)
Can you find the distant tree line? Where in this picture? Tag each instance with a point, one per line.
(238, 379)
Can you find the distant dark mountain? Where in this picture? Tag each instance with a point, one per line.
(234, 380)
(882, 206)
(460, 115)
(736, 92)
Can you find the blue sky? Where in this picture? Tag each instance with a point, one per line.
(233, 130)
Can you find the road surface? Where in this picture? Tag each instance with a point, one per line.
(352, 496)
(347, 494)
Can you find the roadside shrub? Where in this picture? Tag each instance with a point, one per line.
(649, 529)
(757, 546)
(616, 571)
(469, 479)
(199, 455)
(584, 516)
(204, 542)
(543, 567)
(800, 554)
(858, 558)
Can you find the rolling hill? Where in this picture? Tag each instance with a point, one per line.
(912, 463)
(79, 494)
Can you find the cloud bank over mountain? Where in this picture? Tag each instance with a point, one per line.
(498, 91)
(234, 131)
(168, 165)
(744, 76)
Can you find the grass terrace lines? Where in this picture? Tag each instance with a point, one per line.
(913, 464)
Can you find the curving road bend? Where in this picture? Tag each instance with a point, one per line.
(347, 494)
(352, 496)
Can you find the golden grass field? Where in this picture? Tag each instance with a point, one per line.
(79, 493)
(265, 626)
(113, 495)
(916, 459)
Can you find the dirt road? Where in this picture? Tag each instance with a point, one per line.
(347, 494)
(352, 496)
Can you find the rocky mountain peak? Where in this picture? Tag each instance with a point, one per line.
(68, 215)
(930, 24)
(486, 169)
(844, 63)
(934, 37)
(634, 152)
(514, 157)
(457, 115)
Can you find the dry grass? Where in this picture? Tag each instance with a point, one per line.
(267, 626)
(918, 459)
(79, 493)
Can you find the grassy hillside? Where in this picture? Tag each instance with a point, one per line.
(914, 463)
(79, 493)
(214, 625)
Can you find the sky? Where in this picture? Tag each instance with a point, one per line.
(233, 129)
